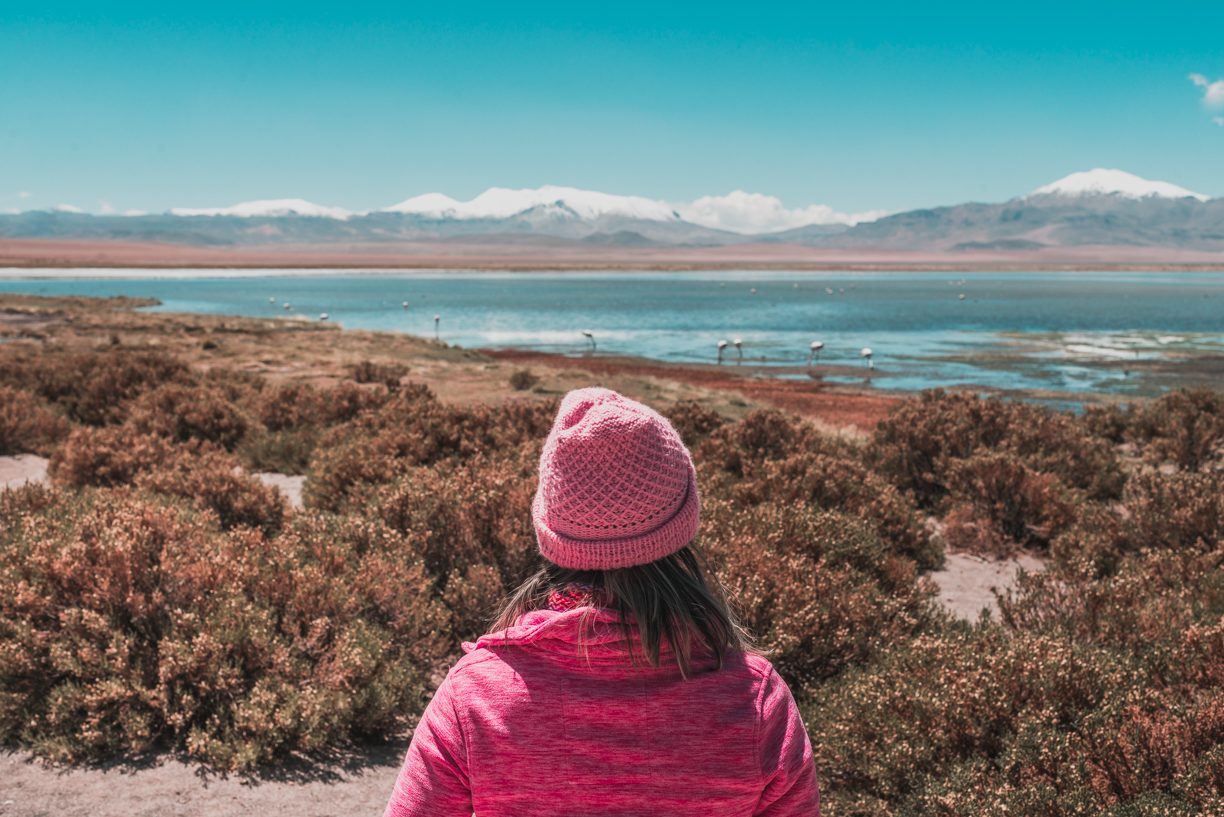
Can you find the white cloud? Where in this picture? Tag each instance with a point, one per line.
(67, 208)
(751, 213)
(135, 213)
(1213, 92)
(12, 211)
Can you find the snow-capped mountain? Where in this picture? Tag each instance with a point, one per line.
(1100, 181)
(1095, 207)
(268, 208)
(502, 203)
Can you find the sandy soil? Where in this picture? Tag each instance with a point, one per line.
(966, 581)
(354, 783)
(487, 253)
(291, 487)
(17, 471)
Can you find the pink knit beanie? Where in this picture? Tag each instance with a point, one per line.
(617, 485)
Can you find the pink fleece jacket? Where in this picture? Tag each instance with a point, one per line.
(536, 721)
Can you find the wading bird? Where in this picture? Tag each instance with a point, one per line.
(816, 347)
(867, 356)
(722, 344)
(587, 334)
(739, 347)
(437, 318)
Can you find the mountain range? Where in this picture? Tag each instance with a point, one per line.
(1096, 207)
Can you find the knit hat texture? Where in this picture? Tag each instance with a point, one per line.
(617, 486)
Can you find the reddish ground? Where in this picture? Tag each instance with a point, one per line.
(834, 407)
(494, 252)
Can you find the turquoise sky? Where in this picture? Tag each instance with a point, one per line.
(358, 105)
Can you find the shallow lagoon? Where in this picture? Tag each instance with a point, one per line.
(1064, 332)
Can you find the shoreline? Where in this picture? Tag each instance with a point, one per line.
(505, 255)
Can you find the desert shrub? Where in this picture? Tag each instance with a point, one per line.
(523, 380)
(1001, 506)
(769, 456)
(1185, 427)
(916, 445)
(693, 422)
(1108, 422)
(287, 451)
(818, 588)
(414, 429)
(93, 388)
(213, 481)
(386, 374)
(107, 456)
(1180, 512)
(28, 425)
(182, 413)
(140, 627)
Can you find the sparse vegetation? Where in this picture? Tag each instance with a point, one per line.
(155, 596)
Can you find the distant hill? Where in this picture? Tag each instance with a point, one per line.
(1097, 207)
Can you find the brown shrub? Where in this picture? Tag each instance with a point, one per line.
(818, 588)
(212, 481)
(1185, 427)
(412, 430)
(385, 374)
(693, 422)
(182, 413)
(839, 484)
(140, 627)
(93, 388)
(1181, 512)
(1000, 505)
(28, 425)
(915, 447)
(523, 380)
(107, 456)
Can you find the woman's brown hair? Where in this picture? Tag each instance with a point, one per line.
(676, 600)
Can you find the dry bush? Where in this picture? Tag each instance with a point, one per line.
(523, 380)
(28, 425)
(693, 422)
(1108, 422)
(284, 452)
(769, 456)
(93, 388)
(1000, 506)
(182, 413)
(385, 374)
(916, 447)
(213, 481)
(1181, 512)
(1185, 427)
(107, 456)
(818, 588)
(414, 429)
(138, 626)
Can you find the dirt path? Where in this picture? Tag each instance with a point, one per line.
(966, 581)
(357, 783)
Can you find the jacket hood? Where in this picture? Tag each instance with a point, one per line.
(592, 631)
